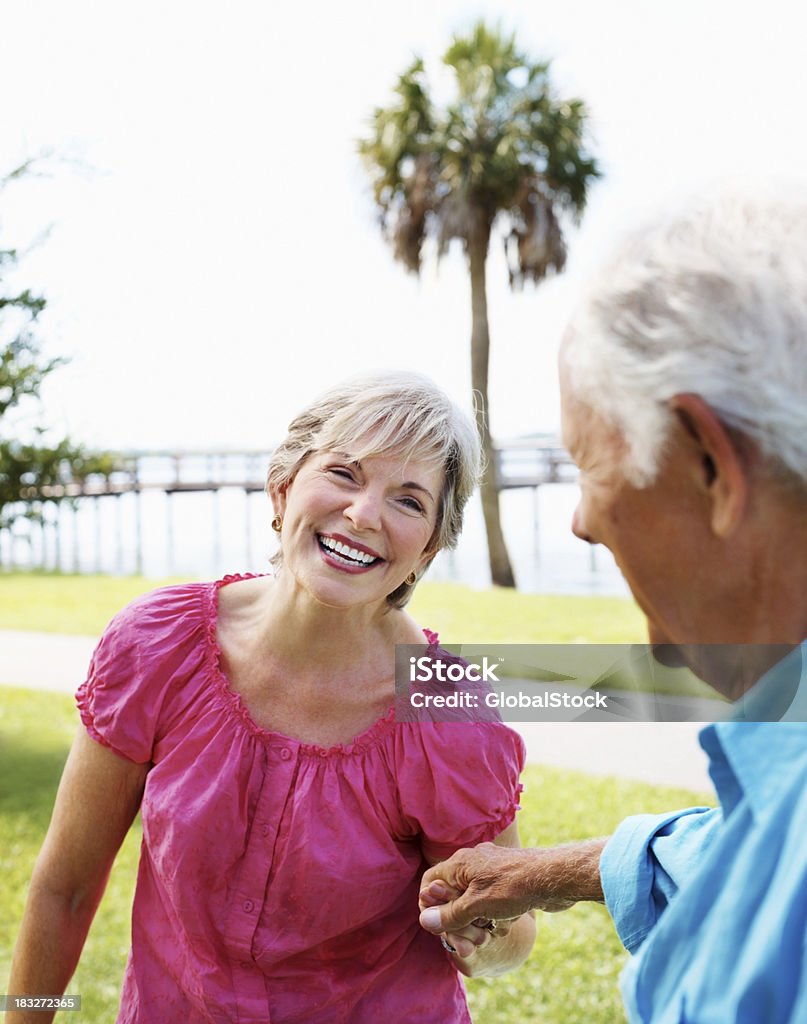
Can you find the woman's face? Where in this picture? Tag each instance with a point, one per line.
(353, 531)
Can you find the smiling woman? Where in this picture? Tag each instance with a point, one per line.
(287, 816)
(402, 416)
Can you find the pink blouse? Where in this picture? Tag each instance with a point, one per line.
(278, 880)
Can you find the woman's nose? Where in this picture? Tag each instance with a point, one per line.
(364, 511)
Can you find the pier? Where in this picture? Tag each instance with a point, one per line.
(522, 463)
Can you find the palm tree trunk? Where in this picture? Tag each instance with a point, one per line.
(501, 571)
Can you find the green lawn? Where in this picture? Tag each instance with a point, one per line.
(84, 605)
(62, 603)
(56, 603)
(570, 979)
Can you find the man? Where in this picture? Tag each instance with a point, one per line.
(684, 404)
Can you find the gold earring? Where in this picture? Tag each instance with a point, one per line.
(277, 523)
(411, 579)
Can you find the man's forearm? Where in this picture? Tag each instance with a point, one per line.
(501, 883)
(561, 876)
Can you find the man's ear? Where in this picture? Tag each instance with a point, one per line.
(721, 469)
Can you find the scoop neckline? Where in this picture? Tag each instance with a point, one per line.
(363, 741)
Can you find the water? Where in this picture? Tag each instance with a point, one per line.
(209, 534)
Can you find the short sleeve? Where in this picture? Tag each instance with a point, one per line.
(156, 641)
(458, 782)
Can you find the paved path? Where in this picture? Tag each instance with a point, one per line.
(658, 752)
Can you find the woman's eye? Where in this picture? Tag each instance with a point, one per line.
(341, 472)
(412, 503)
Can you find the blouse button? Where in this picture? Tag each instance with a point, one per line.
(249, 906)
(264, 830)
(285, 754)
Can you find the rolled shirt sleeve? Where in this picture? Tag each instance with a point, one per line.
(647, 860)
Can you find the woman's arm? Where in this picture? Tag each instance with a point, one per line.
(482, 952)
(97, 800)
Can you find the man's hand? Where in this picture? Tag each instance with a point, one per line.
(500, 883)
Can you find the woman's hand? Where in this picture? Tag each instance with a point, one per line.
(481, 946)
(465, 942)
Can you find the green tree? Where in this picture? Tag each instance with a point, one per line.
(505, 152)
(33, 468)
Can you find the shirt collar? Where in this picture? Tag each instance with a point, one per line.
(756, 761)
(780, 695)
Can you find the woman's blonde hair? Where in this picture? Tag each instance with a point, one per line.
(385, 413)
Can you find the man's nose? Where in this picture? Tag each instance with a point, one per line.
(578, 525)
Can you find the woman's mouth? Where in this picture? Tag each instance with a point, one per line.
(346, 555)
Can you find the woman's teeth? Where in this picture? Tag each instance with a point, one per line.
(344, 553)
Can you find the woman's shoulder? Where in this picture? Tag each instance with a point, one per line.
(183, 606)
(140, 673)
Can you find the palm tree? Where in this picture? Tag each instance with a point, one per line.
(505, 150)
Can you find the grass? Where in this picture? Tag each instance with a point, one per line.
(497, 616)
(571, 977)
(62, 603)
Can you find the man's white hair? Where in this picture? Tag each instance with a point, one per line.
(710, 300)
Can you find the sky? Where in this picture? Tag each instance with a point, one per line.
(213, 259)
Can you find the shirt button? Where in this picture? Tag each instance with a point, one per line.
(264, 830)
(285, 753)
(249, 906)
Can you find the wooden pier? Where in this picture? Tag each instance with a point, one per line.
(520, 464)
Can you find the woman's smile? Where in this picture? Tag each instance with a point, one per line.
(346, 555)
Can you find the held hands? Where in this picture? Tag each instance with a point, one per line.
(501, 883)
(464, 942)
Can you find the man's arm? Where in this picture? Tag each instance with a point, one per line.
(501, 883)
(636, 873)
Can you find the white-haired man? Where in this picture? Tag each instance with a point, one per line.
(684, 390)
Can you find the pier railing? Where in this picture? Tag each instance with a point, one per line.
(522, 463)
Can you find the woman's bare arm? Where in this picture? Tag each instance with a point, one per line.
(97, 800)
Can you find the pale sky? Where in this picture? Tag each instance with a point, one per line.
(221, 264)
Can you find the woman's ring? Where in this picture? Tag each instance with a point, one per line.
(486, 923)
(447, 945)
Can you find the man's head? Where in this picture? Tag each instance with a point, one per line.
(684, 385)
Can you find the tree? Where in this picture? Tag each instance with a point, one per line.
(506, 151)
(33, 469)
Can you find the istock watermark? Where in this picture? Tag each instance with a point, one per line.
(601, 682)
(428, 669)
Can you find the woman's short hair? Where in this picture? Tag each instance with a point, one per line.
(385, 413)
(712, 301)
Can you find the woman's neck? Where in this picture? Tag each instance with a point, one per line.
(303, 632)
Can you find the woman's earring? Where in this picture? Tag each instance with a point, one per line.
(411, 579)
(277, 523)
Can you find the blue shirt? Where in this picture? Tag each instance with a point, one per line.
(713, 902)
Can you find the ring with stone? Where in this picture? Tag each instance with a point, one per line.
(486, 923)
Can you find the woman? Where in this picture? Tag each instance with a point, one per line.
(287, 817)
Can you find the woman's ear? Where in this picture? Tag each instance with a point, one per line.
(277, 496)
(718, 465)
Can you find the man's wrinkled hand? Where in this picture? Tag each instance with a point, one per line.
(502, 883)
